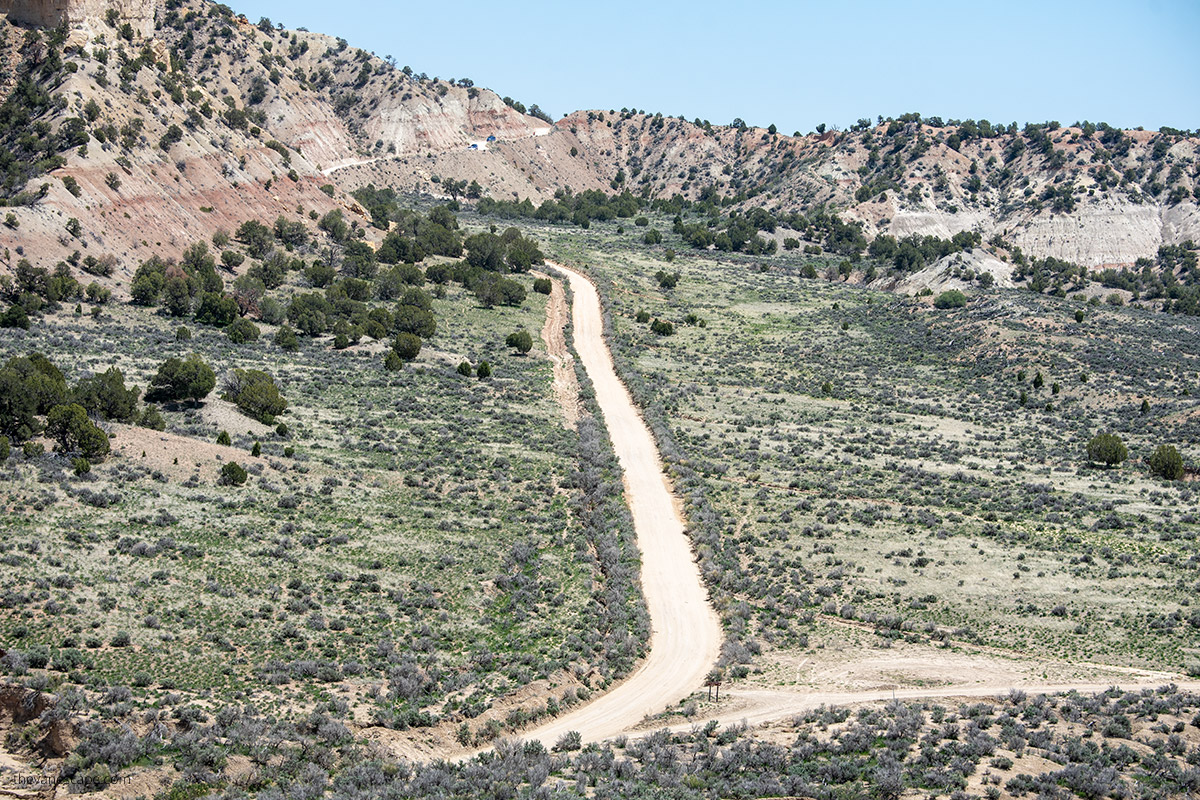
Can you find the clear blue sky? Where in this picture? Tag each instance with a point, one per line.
(796, 63)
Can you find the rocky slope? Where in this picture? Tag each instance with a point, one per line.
(213, 120)
(1093, 197)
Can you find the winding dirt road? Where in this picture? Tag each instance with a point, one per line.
(686, 636)
(686, 633)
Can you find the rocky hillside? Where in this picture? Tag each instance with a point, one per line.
(128, 146)
(1084, 194)
(148, 143)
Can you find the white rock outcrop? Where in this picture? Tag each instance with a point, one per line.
(82, 14)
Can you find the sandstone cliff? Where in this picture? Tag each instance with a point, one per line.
(86, 14)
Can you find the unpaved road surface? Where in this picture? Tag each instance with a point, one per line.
(686, 634)
(756, 707)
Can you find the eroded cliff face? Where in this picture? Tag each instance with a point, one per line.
(272, 122)
(83, 14)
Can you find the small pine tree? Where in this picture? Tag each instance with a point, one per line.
(223, 438)
(952, 298)
(256, 451)
(483, 371)
(465, 368)
(151, 418)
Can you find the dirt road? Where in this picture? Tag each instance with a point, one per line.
(760, 707)
(686, 634)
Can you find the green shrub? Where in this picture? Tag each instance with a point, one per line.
(105, 395)
(286, 338)
(483, 371)
(1107, 448)
(662, 327)
(216, 309)
(151, 418)
(255, 394)
(464, 368)
(521, 341)
(241, 331)
(232, 474)
(951, 298)
(177, 381)
(407, 346)
(1166, 462)
(223, 439)
(543, 285)
(68, 424)
(15, 317)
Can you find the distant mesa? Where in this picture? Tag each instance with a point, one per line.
(82, 14)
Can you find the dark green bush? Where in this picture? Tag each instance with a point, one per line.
(407, 346)
(232, 474)
(951, 298)
(187, 380)
(69, 426)
(521, 341)
(241, 331)
(1107, 448)
(1166, 462)
(255, 394)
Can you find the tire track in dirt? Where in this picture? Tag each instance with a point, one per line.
(566, 386)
